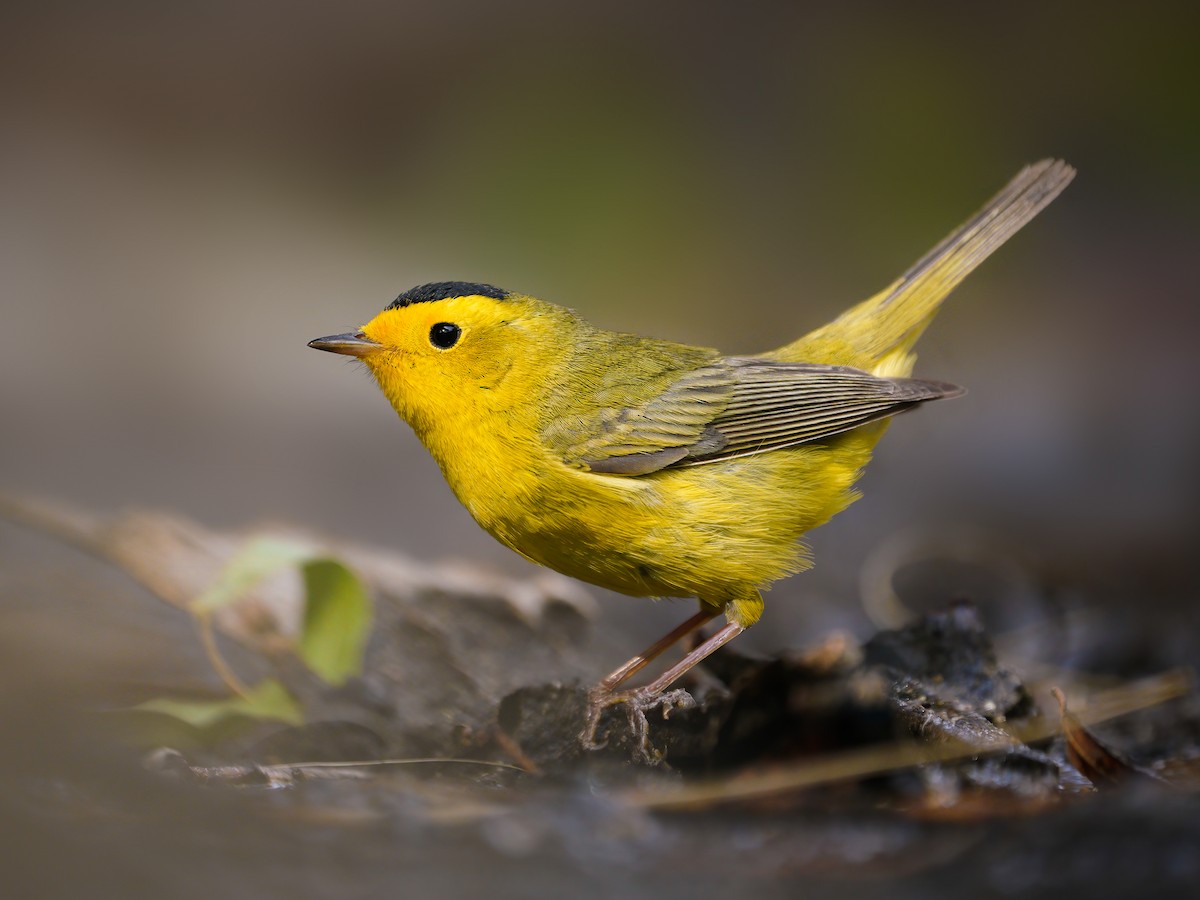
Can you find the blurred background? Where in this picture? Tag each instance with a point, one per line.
(191, 191)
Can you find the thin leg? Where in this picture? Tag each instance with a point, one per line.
(639, 700)
(722, 637)
(654, 651)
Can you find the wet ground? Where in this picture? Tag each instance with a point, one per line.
(922, 761)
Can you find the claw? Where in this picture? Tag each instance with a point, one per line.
(598, 701)
(637, 703)
(673, 700)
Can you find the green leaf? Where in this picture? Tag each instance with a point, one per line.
(267, 700)
(337, 607)
(260, 557)
(337, 620)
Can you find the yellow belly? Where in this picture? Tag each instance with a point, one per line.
(719, 532)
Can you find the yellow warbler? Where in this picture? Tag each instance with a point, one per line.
(659, 469)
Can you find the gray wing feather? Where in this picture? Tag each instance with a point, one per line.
(743, 406)
(780, 405)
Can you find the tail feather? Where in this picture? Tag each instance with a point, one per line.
(885, 327)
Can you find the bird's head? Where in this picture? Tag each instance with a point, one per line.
(452, 350)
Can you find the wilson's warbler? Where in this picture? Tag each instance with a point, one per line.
(659, 469)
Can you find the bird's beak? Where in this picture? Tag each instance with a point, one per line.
(349, 344)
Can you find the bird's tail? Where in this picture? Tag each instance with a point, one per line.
(885, 327)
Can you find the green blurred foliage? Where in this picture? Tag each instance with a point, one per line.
(334, 627)
(337, 621)
(268, 700)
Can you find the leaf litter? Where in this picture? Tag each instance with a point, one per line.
(466, 691)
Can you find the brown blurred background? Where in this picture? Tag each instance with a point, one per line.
(191, 191)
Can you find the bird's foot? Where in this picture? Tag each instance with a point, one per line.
(637, 703)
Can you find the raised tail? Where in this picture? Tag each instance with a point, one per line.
(885, 327)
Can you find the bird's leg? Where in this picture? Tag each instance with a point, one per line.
(718, 640)
(655, 650)
(602, 695)
(639, 700)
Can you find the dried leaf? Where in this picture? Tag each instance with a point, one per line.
(1100, 765)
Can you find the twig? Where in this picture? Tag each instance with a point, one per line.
(878, 760)
(285, 774)
(208, 639)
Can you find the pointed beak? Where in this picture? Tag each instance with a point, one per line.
(349, 344)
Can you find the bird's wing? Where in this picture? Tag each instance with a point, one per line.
(778, 405)
(668, 421)
(739, 407)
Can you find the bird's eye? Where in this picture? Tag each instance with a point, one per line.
(444, 335)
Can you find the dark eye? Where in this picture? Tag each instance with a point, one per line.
(443, 335)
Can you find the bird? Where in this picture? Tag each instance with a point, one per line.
(659, 469)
